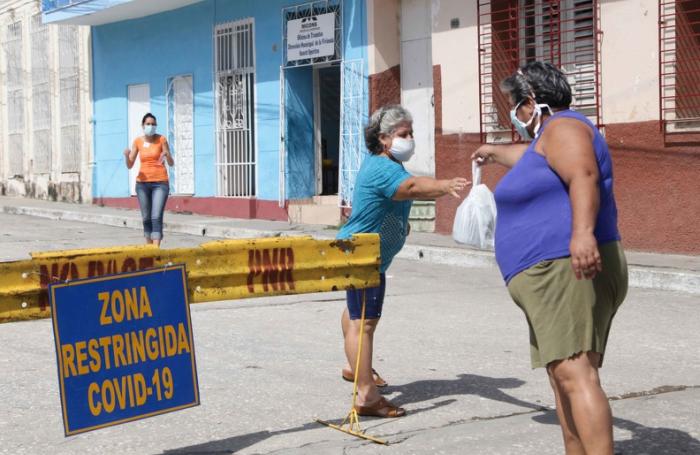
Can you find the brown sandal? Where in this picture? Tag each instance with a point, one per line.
(381, 408)
(348, 375)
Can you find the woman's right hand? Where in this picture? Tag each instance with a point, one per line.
(127, 158)
(483, 155)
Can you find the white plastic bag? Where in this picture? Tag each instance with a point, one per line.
(475, 220)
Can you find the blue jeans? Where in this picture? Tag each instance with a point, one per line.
(152, 198)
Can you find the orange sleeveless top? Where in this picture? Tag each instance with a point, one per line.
(152, 169)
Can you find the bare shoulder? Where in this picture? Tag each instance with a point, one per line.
(566, 128)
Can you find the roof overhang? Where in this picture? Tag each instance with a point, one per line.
(99, 12)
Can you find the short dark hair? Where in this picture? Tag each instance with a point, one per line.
(146, 117)
(544, 82)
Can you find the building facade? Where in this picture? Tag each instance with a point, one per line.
(266, 120)
(263, 103)
(632, 65)
(45, 109)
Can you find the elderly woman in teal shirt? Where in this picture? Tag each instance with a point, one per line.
(381, 204)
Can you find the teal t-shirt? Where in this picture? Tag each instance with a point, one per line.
(374, 210)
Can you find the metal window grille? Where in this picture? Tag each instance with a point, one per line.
(515, 32)
(15, 98)
(235, 126)
(308, 10)
(41, 95)
(352, 149)
(181, 132)
(679, 66)
(69, 97)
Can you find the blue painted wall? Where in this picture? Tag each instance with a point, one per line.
(152, 49)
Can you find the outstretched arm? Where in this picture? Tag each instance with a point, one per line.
(429, 188)
(504, 154)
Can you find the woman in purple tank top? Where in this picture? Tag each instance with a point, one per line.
(558, 246)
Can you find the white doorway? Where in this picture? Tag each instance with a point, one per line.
(139, 104)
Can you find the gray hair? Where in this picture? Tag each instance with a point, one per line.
(542, 81)
(384, 120)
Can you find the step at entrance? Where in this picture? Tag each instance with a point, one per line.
(422, 217)
(321, 210)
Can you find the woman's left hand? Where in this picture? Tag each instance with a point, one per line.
(165, 157)
(585, 257)
(455, 185)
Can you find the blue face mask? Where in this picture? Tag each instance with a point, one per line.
(521, 127)
(149, 130)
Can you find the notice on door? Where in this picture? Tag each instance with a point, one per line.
(311, 37)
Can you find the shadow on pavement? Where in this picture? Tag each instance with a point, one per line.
(644, 440)
(414, 392)
(236, 443)
(465, 384)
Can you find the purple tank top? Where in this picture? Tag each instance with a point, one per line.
(534, 209)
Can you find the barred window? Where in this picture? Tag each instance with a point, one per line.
(69, 95)
(41, 96)
(679, 69)
(180, 104)
(515, 32)
(15, 98)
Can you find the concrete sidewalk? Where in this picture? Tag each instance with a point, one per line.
(647, 270)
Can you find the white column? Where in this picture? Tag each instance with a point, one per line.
(417, 81)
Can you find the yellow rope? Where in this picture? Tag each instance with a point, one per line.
(359, 348)
(352, 419)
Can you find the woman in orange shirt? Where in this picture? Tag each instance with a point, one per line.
(152, 184)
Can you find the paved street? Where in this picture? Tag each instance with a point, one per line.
(451, 343)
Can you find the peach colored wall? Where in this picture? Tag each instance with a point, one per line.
(456, 52)
(382, 34)
(629, 60)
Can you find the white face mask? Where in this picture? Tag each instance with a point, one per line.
(402, 149)
(521, 127)
(149, 130)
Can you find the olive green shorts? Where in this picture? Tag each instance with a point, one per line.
(567, 316)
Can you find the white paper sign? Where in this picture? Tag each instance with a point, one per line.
(311, 37)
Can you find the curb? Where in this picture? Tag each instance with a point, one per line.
(644, 277)
(135, 223)
(639, 276)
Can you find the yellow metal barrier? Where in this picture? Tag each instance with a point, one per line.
(221, 270)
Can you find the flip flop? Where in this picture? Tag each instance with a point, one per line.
(347, 375)
(381, 408)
